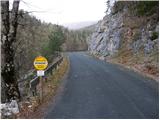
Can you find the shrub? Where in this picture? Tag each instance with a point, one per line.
(154, 35)
(147, 7)
(136, 36)
(118, 6)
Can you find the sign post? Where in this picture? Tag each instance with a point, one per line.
(40, 64)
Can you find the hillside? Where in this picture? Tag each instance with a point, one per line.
(79, 25)
(129, 36)
(34, 38)
(90, 71)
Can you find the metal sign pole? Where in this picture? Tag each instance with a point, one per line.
(41, 89)
(40, 64)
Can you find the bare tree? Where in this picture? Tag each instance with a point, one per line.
(9, 30)
(108, 6)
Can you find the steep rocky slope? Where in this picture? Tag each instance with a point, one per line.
(129, 35)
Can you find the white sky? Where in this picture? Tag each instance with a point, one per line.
(66, 11)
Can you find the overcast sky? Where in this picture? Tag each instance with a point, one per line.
(66, 11)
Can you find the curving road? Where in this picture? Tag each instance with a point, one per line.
(96, 89)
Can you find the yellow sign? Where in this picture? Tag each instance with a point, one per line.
(40, 63)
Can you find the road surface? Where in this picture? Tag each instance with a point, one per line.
(96, 89)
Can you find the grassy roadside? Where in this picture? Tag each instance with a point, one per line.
(139, 68)
(34, 109)
(131, 65)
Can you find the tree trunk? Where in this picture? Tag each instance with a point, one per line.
(8, 38)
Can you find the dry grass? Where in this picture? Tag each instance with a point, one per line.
(138, 63)
(134, 22)
(50, 86)
(54, 80)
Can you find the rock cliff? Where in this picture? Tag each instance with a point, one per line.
(129, 35)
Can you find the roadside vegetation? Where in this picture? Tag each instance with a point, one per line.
(32, 108)
(33, 38)
(25, 37)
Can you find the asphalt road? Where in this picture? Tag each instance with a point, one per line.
(96, 89)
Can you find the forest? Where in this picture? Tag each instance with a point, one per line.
(116, 60)
(31, 38)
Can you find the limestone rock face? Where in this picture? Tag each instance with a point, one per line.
(106, 38)
(125, 31)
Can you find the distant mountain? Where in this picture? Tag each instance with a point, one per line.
(90, 28)
(79, 25)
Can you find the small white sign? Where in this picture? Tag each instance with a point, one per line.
(40, 72)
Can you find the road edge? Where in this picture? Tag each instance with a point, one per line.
(59, 91)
